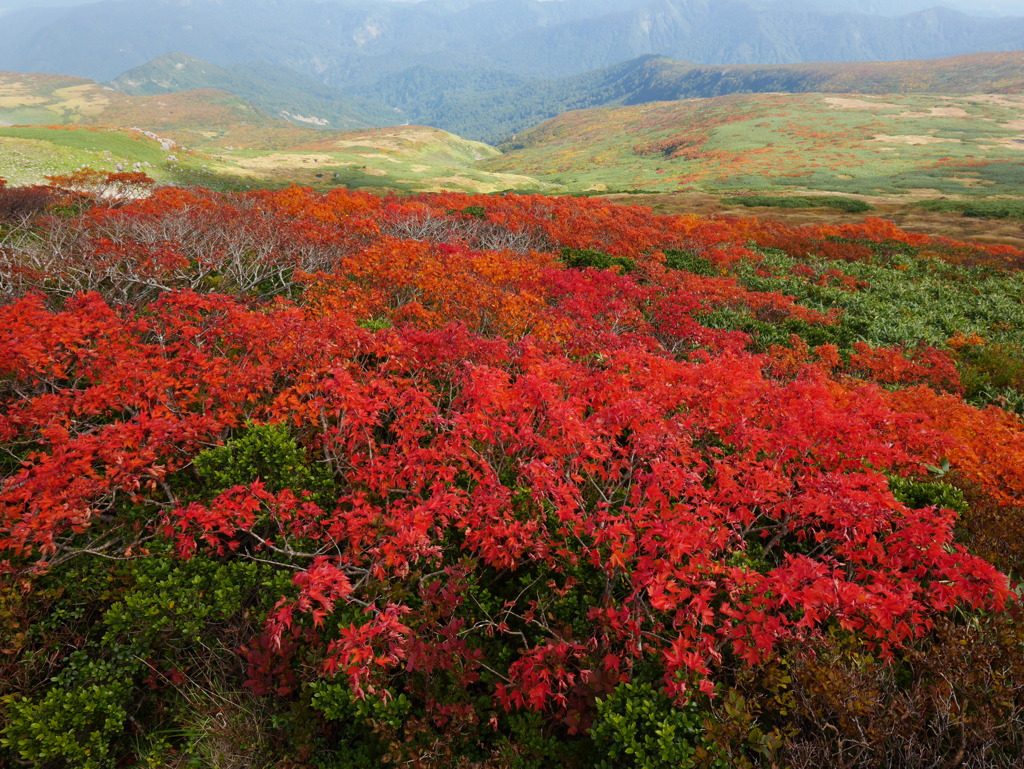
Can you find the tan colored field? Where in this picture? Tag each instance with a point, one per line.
(938, 112)
(913, 140)
(844, 102)
(280, 160)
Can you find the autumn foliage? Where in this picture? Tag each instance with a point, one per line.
(424, 477)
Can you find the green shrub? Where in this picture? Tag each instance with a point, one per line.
(849, 205)
(477, 212)
(580, 258)
(982, 209)
(265, 452)
(177, 603)
(77, 721)
(356, 722)
(638, 726)
(916, 494)
(688, 261)
(993, 373)
(162, 641)
(767, 333)
(374, 324)
(910, 301)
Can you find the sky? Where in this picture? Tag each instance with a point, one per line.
(1004, 7)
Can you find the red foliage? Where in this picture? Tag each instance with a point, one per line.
(115, 186)
(894, 366)
(519, 416)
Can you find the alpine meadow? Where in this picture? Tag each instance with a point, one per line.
(512, 384)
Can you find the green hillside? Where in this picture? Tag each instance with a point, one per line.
(924, 145)
(27, 153)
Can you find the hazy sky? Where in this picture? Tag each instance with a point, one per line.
(1007, 7)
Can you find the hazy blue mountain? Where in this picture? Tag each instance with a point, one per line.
(737, 32)
(100, 40)
(10, 6)
(903, 7)
(358, 41)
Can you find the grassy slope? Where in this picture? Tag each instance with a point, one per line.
(927, 144)
(406, 158)
(229, 142)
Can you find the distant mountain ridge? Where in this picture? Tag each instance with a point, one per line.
(492, 105)
(738, 32)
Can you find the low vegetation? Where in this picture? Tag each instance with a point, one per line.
(849, 205)
(982, 209)
(343, 480)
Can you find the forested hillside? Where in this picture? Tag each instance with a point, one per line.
(276, 90)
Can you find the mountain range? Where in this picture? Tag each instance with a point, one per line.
(354, 43)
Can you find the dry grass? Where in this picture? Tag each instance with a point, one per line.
(842, 102)
(913, 140)
(938, 112)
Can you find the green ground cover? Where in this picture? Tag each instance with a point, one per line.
(850, 205)
(982, 209)
(903, 298)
